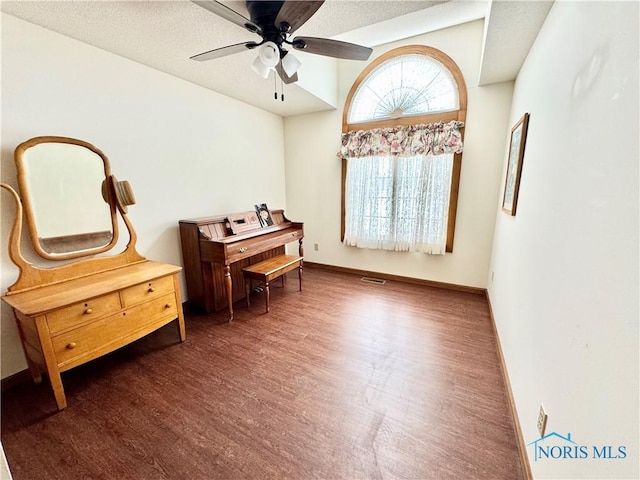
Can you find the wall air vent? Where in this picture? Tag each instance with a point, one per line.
(379, 281)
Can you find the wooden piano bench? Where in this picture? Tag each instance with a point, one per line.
(269, 270)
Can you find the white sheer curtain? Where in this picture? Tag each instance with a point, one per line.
(398, 202)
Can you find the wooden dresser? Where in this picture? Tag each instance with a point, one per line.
(66, 324)
(68, 314)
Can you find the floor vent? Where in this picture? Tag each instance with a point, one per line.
(379, 281)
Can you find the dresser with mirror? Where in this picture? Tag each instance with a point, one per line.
(80, 300)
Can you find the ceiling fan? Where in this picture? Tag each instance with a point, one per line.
(275, 21)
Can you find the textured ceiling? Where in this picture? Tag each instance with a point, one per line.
(164, 34)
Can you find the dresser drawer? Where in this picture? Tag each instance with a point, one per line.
(82, 312)
(146, 291)
(102, 336)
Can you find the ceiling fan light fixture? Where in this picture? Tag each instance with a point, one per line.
(260, 68)
(290, 64)
(269, 54)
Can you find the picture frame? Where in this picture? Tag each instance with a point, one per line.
(514, 166)
(264, 215)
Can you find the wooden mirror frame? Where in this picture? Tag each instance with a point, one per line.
(31, 276)
(29, 203)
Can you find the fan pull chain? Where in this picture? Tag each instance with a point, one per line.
(275, 86)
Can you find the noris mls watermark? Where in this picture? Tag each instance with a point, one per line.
(555, 446)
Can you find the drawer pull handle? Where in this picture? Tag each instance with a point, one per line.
(294, 234)
(167, 305)
(151, 290)
(88, 311)
(243, 249)
(71, 345)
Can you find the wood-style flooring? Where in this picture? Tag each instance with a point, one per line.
(344, 380)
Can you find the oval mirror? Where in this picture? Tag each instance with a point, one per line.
(69, 212)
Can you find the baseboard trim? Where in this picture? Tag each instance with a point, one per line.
(20, 378)
(522, 447)
(398, 278)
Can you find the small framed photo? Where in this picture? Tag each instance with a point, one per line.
(264, 215)
(514, 167)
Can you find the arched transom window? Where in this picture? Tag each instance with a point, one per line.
(403, 127)
(406, 85)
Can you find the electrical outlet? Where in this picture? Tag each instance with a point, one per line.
(542, 421)
(315, 246)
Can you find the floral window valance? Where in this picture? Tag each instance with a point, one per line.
(431, 139)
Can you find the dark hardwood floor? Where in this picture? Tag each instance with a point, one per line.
(344, 380)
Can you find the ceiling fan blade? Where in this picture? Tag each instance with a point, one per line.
(228, 14)
(296, 12)
(283, 75)
(332, 48)
(224, 51)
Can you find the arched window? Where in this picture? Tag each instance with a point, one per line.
(408, 85)
(403, 126)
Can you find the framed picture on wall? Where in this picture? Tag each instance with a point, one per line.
(514, 166)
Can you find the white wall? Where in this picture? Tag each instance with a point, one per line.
(5, 474)
(565, 292)
(318, 75)
(187, 151)
(313, 172)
